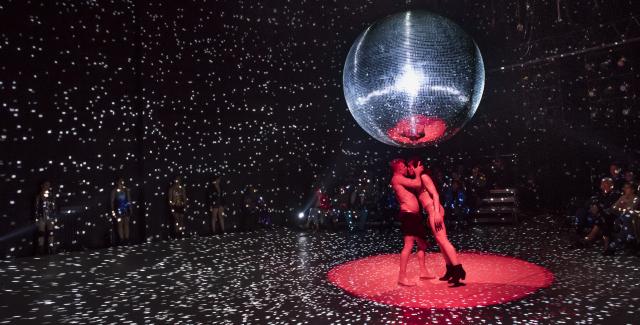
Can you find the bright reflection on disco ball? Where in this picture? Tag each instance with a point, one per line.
(413, 79)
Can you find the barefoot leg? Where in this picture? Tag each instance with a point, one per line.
(404, 259)
(425, 273)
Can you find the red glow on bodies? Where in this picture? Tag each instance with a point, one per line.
(417, 129)
(491, 279)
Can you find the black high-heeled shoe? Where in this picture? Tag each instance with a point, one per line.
(458, 273)
(447, 275)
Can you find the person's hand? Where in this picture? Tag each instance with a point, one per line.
(419, 168)
(438, 220)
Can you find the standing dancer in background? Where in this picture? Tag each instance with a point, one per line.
(216, 204)
(45, 218)
(178, 204)
(410, 218)
(315, 212)
(430, 201)
(121, 209)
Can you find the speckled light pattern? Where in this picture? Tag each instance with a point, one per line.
(93, 90)
(280, 278)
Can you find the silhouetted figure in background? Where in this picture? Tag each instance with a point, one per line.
(315, 212)
(455, 203)
(497, 174)
(178, 205)
(264, 215)
(358, 205)
(325, 207)
(477, 186)
(121, 209)
(216, 204)
(604, 224)
(585, 220)
(615, 173)
(45, 208)
(625, 208)
(530, 194)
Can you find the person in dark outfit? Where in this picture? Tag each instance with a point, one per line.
(216, 204)
(604, 224)
(45, 205)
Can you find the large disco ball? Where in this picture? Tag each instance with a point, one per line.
(413, 79)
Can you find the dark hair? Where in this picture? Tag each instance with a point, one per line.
(414, 161)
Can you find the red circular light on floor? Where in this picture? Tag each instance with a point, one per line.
(491, 279)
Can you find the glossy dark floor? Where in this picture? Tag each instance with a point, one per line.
(280, 276)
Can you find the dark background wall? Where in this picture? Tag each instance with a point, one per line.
(251, 90)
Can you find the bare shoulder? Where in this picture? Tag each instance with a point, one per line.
(399, 180)
(425, 177)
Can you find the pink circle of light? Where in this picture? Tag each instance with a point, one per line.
(491, 279)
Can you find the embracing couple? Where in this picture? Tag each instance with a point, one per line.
(414, 188)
